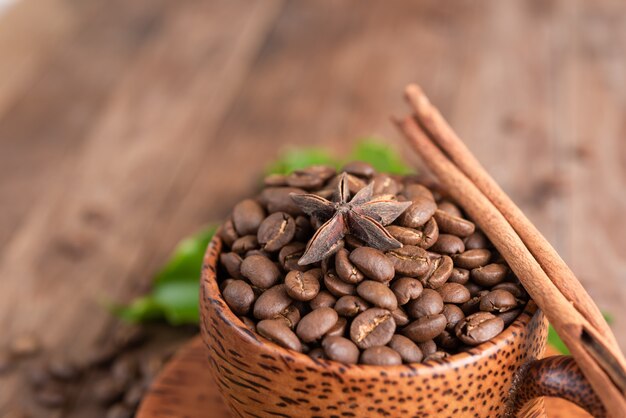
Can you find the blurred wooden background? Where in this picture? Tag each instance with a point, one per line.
(126, 125)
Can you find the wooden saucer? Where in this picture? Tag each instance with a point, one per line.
(185, 389)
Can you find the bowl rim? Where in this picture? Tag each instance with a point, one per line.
(211, 295)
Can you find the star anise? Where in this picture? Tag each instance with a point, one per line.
(362, 216)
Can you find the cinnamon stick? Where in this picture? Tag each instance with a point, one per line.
(567, 321)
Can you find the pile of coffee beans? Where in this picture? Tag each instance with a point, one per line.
(444, 291)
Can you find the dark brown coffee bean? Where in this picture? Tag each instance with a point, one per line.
(406, 289)
(359, 169)
(437, 355)
(380, 356)
(247, 216)
(453, 315)
(302, 286)
(509, 316)
(124, 370)
(350, 306)
(413, 191)
(291, 316)
(489, 275)
(400, 317)
(63, 369)
(336, 286)
(409, 260)
(450, 224)
(25, 345)
(315, 324)
(275, 180)
(454, 293)
(307, 179)
(425, 328)
(119, 410)
(276, 331)
(429, 303)
(150, 366)
(513, 288)
(373, 263)
(324, 299)
(133, 396)
(228, 233)
(239, 296)
(339, 329)
(447, 340)
(317, 353)
(431, 234)
(450, 208)
(353, 242)
(290, 254)
(6, 362)
(271, 302)
(408, 350)
(476, 241)
(478, 328)
(448, 244)
(244, 244)
(498, 301)
(340, 349)
(248, 322)
(439, 272)
(372, 327)
(276, 231)
(232, 263)
(304, 231)
(261, 271)
(278, 199)
(473, 288)
(418, 213)
(472, 259)
(378, 294)
(107, 391)
(51, 396)
(407, 236)
(472, 305)
(427, 347)
(384, 184)
(459, 275)
(346, 271)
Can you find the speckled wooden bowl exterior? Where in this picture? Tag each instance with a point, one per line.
(260, 379)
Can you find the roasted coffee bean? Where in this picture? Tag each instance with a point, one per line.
(407, 236)
(39, 375)
(271, 302)
(400, 317)
(290, 254)
(25, 345)
(454, 293)
(498, 301)
(427, 347)
(150, 366)
(353, 242)
(276, 331)
(359, 169)
(381, 356)
(133, 396)
(6, 362)
(125, 369)
(278, 199)
(336, 286)
(474, 288)
(425, 328)
(384, 184)
(248, 322)
(119, 410)
(438, 273)
(324, 299)
(450, 224)
(350, 306)
(228, 233)
(472, 259)
(447, 340)
(448, 244)
(513, 288)
(509, 316)
(276, 231)
(339, 329)
(232, 263)
(63, 369)
(315, 324)
(372, 327)
(429, 303)
(459, 275)
(275, 180)
(307, 179)
(413, 191)
(431, 234)
(478, 328)
(420, 211)
(409, 260)
(247, 216)
(261, 271)
(302, 286)
(406, 289)
(107, 391)
(450, 208)
(473, 304)
(453, 315)
(225, 283)
(244, 244)
(257, 251)
(291, 316)
(489, 275)
(346, 271)
(318, 353)
(304, 231)
(437, 355)
(378, 294)
(373, 263)
(239, 296)
(476, 241)
(408, 350)
(51, 396)
(340, 349)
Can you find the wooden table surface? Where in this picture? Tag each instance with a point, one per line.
(126, 125)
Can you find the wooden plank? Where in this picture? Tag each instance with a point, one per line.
(92, 233)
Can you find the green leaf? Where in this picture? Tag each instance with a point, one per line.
(382, 157)
(297, 159)
(555, 341)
